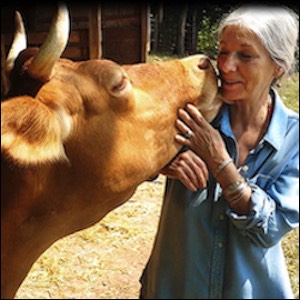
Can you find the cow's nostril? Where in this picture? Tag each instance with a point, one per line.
(204, 63)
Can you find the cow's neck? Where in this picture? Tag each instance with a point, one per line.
(64, 198)
(46, 208)
(22, 224)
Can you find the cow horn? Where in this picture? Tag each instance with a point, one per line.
(42, 64)
(19, 42)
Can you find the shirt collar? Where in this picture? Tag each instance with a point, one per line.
(279, 121)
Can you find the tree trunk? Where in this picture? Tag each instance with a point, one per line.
(158, 20)
(180, 43)
(194, 32)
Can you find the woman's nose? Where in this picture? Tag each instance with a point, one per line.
(228, 63)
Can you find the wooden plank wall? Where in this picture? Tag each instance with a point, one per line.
(114, 31)
(124, 32)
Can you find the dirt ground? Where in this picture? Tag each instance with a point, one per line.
(104, 261)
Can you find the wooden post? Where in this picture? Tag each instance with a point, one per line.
(180, 42)
(145, 32)
(95, 36)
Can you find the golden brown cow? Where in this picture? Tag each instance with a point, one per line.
(77, 138)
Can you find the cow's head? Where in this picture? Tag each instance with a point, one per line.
(77, 138)
(61, 109)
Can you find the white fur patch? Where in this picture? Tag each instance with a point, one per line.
(48, 148)
(65, 122)
(26, 153)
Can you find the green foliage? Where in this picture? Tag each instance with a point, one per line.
(207, 38)
(208, 21)
(289, 91)
(290, 245)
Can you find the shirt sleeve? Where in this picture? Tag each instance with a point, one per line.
(274, 209)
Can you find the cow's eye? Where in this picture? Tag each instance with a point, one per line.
(120, 86)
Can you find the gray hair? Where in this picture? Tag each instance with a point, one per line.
(277, 27)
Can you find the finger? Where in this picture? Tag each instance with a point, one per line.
(181, 167)
(187, 176)
(195, 114)
(182, 127)
(180, 170)
(180, 139)
(202, 165)
(168, 172)
(192, 166)
(185, 179)
(199, 168)
(200, 172)
(184, 116)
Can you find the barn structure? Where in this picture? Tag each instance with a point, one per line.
(116, 31)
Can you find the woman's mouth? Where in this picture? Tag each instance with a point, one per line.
(230, 83)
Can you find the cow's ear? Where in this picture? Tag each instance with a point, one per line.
(31, 132)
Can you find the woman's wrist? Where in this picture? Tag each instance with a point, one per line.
(222, 166)
(238, 196)
(236, 190)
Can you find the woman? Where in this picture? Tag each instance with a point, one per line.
(234, 192)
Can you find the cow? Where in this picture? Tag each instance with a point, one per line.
(78, 138)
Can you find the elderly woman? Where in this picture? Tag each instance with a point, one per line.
(233, 194)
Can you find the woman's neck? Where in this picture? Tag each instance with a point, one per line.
(250, 115)
(249, 124)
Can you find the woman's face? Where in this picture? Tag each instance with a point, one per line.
(245, 66)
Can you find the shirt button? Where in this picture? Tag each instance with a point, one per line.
(220, 245)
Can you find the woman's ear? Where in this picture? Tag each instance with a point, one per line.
(278, 72)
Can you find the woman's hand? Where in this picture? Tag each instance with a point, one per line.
(200, 136)
(189, 168)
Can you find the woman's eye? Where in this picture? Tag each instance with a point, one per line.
(242, 56)
(246, 56)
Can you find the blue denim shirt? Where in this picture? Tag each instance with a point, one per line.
(204, 250)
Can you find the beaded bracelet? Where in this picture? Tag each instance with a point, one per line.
(222, 166)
